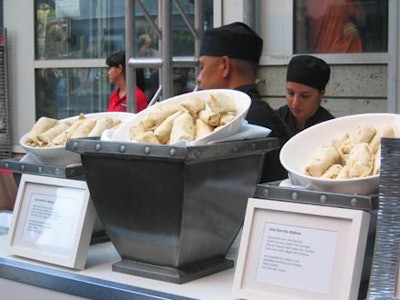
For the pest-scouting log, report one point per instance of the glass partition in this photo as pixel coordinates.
(91, 30)
(340, 26)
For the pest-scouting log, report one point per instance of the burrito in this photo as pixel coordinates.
(385, 130)
(147, 137)
(360, 161)
(194, 105)
(182, 128)
(46, 138)
(332, 171)
(322, 158)
(226, 118)
(62, 138)
(201, 129)
(364, 133)
(84, 129)
(343, 173)
(137, 129)
(376, 169)
(209, 117)
(41, 125)
(158, 113)
(163, 131)
(101, 124)
(221, 103)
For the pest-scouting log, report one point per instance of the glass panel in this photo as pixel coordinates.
(340, 26)
(62, 93)
(79, 29)
(94, 29)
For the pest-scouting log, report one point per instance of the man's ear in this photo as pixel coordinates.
(226, 66)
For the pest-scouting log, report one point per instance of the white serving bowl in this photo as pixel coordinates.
(57, 155)
(242, 101)
(295, 154)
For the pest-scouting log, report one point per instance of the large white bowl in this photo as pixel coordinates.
(57, 155)
(242, 101)
(296, 153)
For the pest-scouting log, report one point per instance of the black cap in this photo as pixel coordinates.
(308, 70)
(236, 40)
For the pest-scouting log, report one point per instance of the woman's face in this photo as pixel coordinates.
(114, 74)
(303, 100)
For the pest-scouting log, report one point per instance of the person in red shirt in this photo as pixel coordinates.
(116, 76)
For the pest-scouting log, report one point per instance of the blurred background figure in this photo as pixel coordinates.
(334, 25)
(306, 79)
(146, 49)
(116, 76)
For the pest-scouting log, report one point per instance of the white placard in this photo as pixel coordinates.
(300, 251)
(291, 254)
(52, 221)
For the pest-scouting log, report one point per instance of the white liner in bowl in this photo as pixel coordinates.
(296, 153)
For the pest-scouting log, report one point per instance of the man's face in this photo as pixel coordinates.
(211, 74)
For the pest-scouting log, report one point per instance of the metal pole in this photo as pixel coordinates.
(130, 41)
(393, 100)
(166, 48)
(249, 13)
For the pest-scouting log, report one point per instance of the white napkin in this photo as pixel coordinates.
(246, 132)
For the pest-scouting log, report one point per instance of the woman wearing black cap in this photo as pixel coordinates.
(306, 79)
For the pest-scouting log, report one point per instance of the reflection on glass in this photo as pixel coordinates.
(93, 29)
(62, 93)
(341, 26)
(79, 29)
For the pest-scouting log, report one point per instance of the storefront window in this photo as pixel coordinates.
(341, 26)
(91, 30)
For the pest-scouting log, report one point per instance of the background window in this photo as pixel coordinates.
(91, 30)
(341, 26)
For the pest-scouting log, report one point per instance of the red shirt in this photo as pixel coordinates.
(119, 104)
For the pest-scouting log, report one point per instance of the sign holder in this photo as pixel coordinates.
(53, 220)
(300, 251)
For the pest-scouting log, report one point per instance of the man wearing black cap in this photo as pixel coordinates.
(229, 58)
(306, 79)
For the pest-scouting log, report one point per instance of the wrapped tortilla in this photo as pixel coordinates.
(360, 161)
(226, 118)
(385, 130)
(332, 171)
(163, 131)
(376, 169)
(343, 173)
(201, 129)
(158, 113)
(182, 128)
(84, 129)
(363, 134)
(46, 138)
(194, 105)
(62, 138)
(101, 124)
(147, 137)
(41, 125)
(137, 129)
(323, 157)
(209, 117)
(221, 103)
